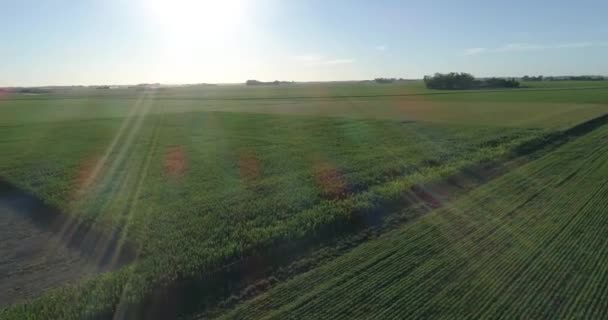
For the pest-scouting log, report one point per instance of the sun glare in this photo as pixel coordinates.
(206, 22)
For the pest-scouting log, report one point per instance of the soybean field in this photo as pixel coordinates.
(307, 200)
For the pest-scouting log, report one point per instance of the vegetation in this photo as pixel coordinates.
(213, 206)
(465, 81)
(31, 90)
(196, 179)
(385, 80)
(564, 78)
(526, 245)
(532, 78)
(259, 83)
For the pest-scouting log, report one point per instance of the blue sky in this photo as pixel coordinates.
(57, 42)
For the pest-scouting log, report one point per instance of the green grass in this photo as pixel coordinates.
(526, 245)
(552, 106)
(248, 181)
(191, 187)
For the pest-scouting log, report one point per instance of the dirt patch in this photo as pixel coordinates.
(175, 163)
(329, 179)
(33, 260)
(249, 166)
(40, 248)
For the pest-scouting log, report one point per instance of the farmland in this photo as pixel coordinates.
(191, 181)
(528, 244)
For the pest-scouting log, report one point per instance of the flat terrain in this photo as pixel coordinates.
(555, 104)
(529, 244)
(198, 192)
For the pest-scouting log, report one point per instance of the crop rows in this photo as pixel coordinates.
(530, 244)
(193, 191)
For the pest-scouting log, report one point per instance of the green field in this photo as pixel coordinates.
(555, 104)
(529, 244)
(198, 179)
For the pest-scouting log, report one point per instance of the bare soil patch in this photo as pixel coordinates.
(40, 248)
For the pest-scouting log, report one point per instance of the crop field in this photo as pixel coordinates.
(140, 193)
(530, 244)
(551, 105)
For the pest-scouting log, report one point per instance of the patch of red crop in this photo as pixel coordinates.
(249, 166)
(328, 179)
(87, 170)
(175, 163)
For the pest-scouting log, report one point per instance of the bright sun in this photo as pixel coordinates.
(208, 21)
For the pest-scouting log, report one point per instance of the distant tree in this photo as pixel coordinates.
(258, 83)
(253, 82)
(528, 78)
(32, 90)
(565, 78)
(385, 80)
(585, 78)
(450, 81)
(464, 81)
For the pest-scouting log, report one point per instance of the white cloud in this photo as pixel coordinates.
(511, 47)
(381, 47)
(522, 47)
(473, 51)
(579, 45)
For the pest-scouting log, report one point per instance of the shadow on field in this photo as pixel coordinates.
(561, 137)
(237, 281)
(103, 250)
(242, 279)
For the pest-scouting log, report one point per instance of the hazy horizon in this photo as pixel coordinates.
(264, 80)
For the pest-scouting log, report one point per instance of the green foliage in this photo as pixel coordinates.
(532, 78)
(575, 78)
(465, 81)
(384, 80)
(526, 245)
(193, 189)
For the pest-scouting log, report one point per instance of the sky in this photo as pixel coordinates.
(87, 42)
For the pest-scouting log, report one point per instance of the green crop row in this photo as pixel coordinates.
(193, 191)
(530, 244)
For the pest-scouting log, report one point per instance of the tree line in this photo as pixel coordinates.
(466, 81)
(261, 83)
(563, 78)
(388, 80)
